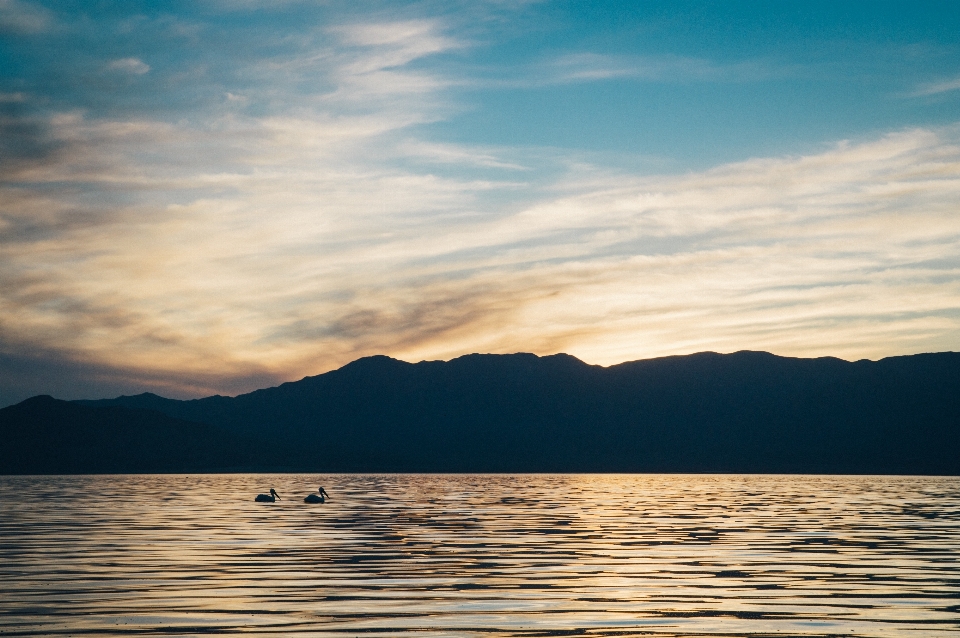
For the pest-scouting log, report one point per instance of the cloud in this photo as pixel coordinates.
(24, 137)
(408, 39)
(254, 5)
(455, 154)
(591, 66)
(129, 65)
(936, 88)
(571, 68)
(21, 17)
(52, 373)
(291, 259)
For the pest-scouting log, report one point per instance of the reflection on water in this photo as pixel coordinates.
(447, 555)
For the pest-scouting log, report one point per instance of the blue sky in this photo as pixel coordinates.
(217, 196)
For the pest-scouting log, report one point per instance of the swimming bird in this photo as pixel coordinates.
(314, 498)
(268, 498)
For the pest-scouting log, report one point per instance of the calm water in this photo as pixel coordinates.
(525, 555)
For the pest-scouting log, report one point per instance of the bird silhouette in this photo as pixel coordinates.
(268, 498)
(317, 498)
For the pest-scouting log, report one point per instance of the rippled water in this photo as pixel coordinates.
(452, 555)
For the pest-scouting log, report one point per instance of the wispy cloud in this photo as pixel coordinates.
(456, 154)
(406, 41)
(129, 65)
(17, 16)
(935, 88)
(585, 67)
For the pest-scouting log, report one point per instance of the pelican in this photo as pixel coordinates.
(314, 498)
(268, 498)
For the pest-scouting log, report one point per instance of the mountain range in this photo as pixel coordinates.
(706, 412)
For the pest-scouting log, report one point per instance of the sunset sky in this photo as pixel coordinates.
(216, 196)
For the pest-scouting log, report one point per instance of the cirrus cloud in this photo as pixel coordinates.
(129, 65)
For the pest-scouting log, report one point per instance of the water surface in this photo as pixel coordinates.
(452, 555)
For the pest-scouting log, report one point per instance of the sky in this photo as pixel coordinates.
(215, 196)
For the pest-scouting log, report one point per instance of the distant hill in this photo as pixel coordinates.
(45, 436)
(707, 412)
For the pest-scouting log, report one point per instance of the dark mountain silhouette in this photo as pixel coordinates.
(707, 412)
(45, 436)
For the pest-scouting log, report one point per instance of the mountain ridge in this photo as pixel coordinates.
(748, 411)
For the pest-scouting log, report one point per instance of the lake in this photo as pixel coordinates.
(480, 555)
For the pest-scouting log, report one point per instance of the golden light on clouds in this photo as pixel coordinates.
(232, 250)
